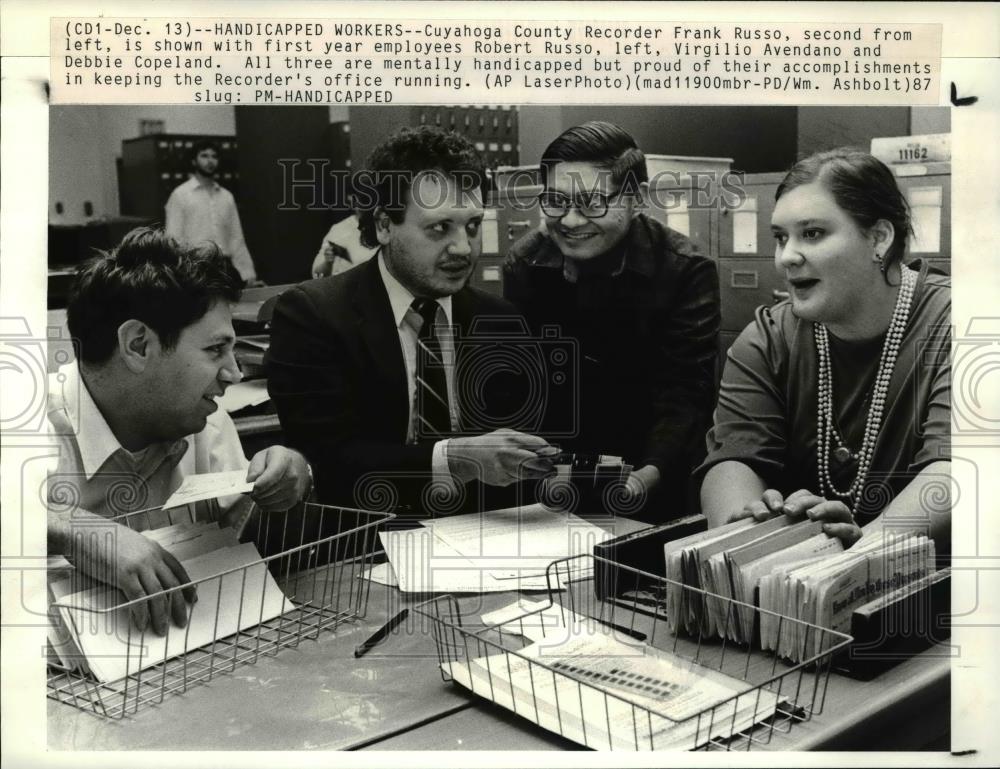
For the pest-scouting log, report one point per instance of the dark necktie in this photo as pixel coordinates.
(433, 417)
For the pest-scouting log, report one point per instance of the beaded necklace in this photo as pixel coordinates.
(826, 431)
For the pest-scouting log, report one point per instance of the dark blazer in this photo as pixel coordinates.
(337, 378)
(648, 344)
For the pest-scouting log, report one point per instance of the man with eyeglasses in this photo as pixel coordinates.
(641, 302)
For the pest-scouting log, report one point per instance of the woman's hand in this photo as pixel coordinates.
(835, 515)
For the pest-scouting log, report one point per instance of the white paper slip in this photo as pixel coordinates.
(381, 574)
(243, 394)
(423, 563)
(195, 488)
(518, 539)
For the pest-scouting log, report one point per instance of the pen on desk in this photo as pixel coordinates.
(638, 635)
(381, 633)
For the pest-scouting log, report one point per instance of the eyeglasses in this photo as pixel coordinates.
(591, 205)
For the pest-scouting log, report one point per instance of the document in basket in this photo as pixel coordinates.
(245, 595)
(606, 695)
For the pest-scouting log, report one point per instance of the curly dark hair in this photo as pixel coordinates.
(385, 183)
(203, 144)
(148, 277)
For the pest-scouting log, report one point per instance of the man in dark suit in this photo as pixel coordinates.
(378, 374)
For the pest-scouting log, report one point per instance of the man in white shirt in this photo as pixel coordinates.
(136, 413)
(202, 211)
(342, 249)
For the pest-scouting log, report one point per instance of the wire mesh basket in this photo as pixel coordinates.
(611, 669)
(303, 578)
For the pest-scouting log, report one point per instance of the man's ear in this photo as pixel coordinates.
(137, 343)
(382, 226)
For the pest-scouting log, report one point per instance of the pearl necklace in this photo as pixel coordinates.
(826, 432)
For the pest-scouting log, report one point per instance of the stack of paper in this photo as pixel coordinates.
(606, 694)
(242, 394)
(235, 591)
(825, 591)
(789, 568)
(493, 551)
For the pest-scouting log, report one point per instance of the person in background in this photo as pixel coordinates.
(202, 211)
(365, 367)
(836, 403)
(136, 413)
(342, 249)
(640, 301)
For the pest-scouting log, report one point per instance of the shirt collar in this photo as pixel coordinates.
(400, 297)
(94, 437)
(637, 245)
(211, 184)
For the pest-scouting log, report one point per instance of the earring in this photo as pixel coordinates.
(881, 261)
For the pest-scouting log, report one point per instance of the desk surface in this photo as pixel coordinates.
(317, 696)
(910, 700)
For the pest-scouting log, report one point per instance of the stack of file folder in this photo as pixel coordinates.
(789, 568)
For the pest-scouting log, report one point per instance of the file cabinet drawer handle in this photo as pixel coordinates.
(744, 279)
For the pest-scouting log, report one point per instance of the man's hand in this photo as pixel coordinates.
(137, 566)
(640, 485)
(835, 515)
(500, 458)
(323, 263)
(280, 478)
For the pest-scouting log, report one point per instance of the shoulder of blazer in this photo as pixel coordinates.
(470, 302)
(348, 293)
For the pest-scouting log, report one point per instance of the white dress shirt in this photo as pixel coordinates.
(94, 472)
(204, 211)
(407, 321)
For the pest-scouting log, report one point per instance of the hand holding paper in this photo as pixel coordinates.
(280, 478)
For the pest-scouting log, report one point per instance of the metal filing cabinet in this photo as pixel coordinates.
(488, 273)
(683, 195)
(492, 129)
(927, 187)
(517, 214)
(152, 166)
(746, 248)
(680, 204)
(747, 275)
